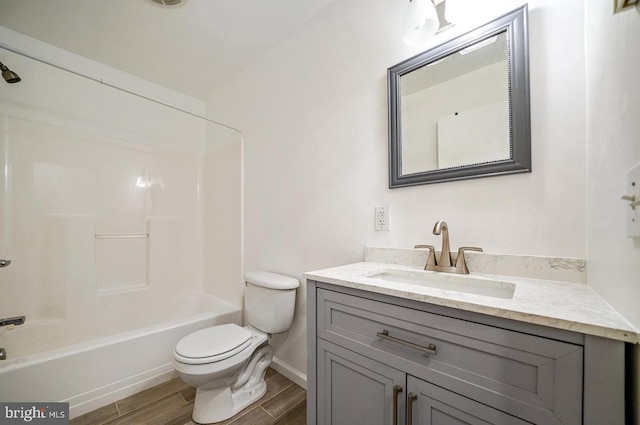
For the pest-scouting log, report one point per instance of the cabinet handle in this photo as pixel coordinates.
(410, 399)
(396, 390)
(431, 349)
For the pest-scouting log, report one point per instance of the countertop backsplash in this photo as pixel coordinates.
(562, 269)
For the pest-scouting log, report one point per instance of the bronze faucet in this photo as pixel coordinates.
(444, 263)
(445, 255)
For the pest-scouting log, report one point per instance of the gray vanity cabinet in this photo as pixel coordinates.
(356, 389)
(433, 405)
(369, 354)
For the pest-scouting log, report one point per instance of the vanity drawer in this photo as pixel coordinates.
(528, 376)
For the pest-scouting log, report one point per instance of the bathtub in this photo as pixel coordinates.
(95, 373)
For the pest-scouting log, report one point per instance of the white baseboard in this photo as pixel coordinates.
(92, 400)
(289, 372)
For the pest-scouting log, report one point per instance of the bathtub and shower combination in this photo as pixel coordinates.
(106, 294)
(102, 214)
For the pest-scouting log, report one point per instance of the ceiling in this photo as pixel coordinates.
(191, 48)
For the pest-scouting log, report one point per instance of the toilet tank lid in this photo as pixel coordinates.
(271, 280)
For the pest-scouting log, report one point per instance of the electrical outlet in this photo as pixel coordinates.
(382, 218)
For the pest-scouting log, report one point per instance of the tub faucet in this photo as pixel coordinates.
(12, 321)
(445, 262)
(3, 354)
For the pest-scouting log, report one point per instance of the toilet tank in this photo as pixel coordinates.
(269, 301)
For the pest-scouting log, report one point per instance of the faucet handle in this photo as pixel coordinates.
(431, 259)
(461, 261)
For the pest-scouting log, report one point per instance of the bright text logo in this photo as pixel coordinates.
(34, 413)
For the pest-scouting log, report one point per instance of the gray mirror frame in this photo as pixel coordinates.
(516, 25)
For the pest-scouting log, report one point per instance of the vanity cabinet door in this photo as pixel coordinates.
(352, 389)
(524, 375)
(433, 405)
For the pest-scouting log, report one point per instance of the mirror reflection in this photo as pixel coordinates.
(455, 110)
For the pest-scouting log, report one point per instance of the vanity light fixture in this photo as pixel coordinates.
(143, 182)
(621, 5)
(8, 75)
(423, 19)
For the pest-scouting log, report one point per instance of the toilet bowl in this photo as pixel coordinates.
(227, 363)
(218, 371)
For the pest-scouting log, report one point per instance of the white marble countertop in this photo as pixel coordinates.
(570, 306)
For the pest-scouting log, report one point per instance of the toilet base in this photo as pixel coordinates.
(219, 404)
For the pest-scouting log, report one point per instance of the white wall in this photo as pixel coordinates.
(314, 116)
(613, 129)
(613, 147)
(221, 187)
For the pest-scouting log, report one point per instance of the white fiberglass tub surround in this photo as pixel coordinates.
(102, 212)
(94, 373)
(103, 235)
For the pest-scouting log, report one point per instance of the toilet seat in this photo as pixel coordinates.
(212, 344)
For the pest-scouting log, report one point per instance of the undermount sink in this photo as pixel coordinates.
(449, 282)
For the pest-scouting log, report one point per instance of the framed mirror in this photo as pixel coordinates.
(461, 110)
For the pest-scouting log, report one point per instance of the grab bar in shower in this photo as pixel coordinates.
(122, 236)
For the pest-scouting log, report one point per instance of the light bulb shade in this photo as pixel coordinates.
(421, 22)
(455, 10)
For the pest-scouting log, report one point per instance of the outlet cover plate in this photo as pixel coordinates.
(382, 218)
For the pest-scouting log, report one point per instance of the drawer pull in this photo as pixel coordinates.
(411, 398)
(396, 390)
(431, 349)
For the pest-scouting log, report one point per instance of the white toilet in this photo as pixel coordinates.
(227, 363)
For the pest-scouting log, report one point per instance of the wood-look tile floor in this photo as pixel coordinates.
(171, 403)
